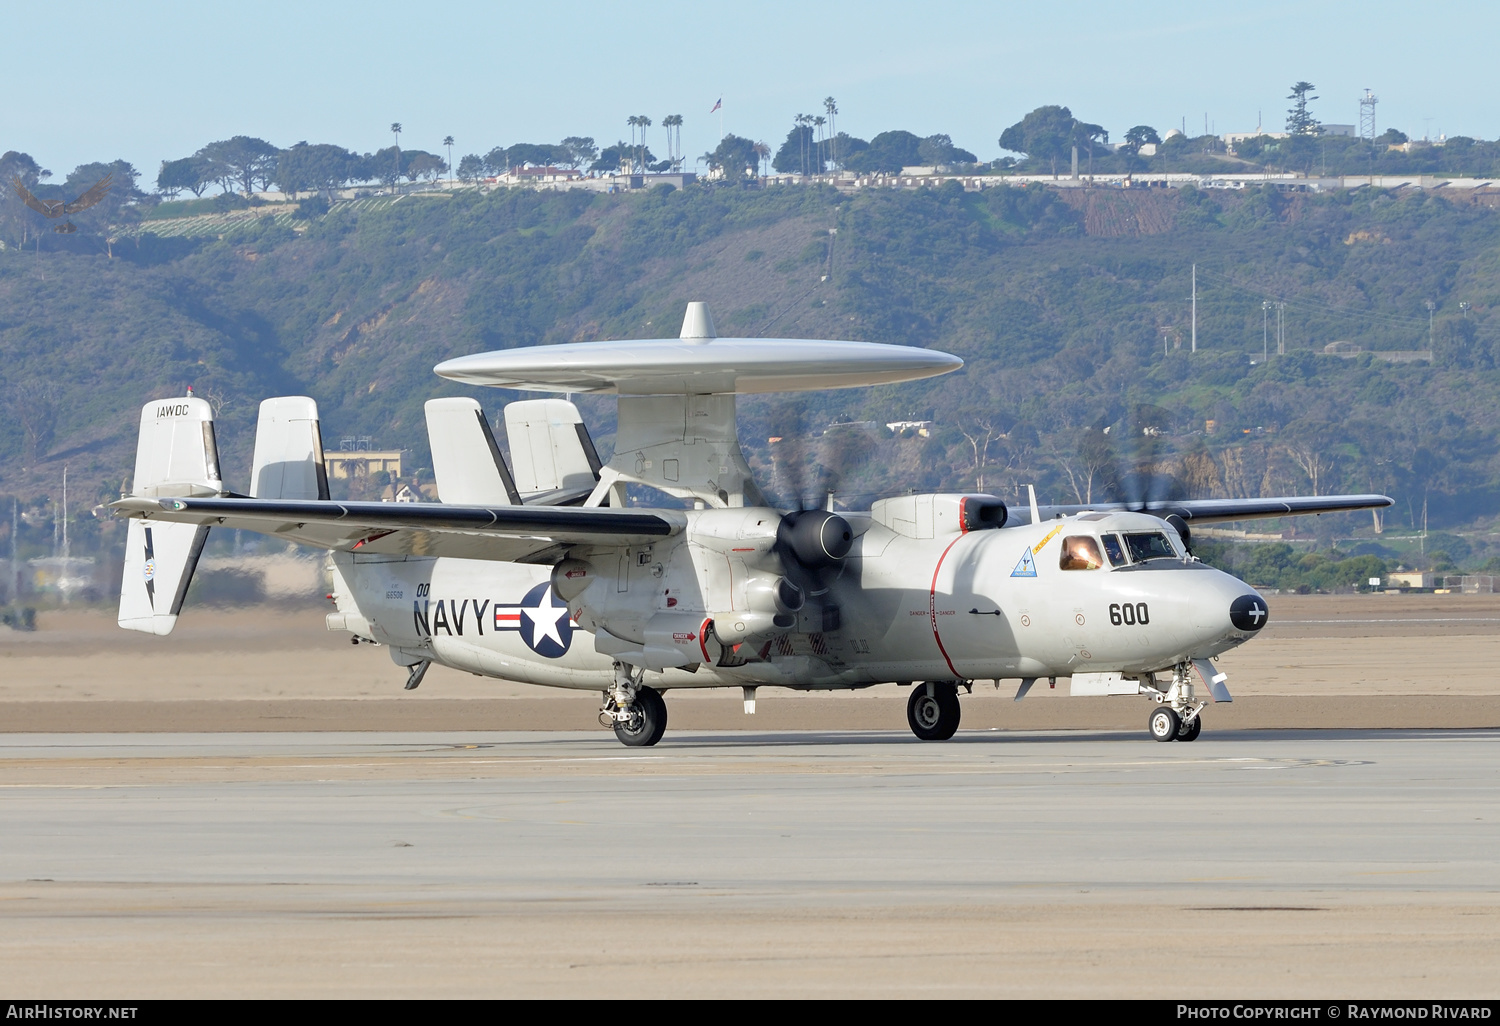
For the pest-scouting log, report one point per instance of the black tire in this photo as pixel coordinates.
(933, 717)
(1163, 723)
(647, 723)
(1189, 730)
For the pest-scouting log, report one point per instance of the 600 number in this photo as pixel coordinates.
(1129, 614)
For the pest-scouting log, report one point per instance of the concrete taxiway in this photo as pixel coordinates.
(1002, 863)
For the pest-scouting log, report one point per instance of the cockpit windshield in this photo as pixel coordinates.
(1149, 546)
(1114, 550)
(1080, 552)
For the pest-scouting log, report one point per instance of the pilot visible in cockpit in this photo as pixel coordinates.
(1080, 552)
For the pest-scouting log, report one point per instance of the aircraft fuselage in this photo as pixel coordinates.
(990, 604)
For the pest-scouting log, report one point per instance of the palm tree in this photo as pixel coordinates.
(674, 147)
(819, 122)
(448, 142)
(396, 131)
(763, 154)
(632, 121)
(645, 123)
(832, 108)
(801, 121)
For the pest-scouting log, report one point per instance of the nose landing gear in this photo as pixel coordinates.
(1177, 717)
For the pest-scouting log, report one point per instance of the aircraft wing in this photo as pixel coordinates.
(1209, 511)
(516, 534)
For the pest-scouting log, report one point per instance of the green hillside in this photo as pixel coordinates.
(1071, 308)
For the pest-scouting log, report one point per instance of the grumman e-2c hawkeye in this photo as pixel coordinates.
(537, 570)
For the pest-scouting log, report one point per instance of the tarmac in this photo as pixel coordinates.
(1331, 834)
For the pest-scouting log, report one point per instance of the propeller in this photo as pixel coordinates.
(1139, 474)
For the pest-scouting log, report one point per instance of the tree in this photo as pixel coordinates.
(240, 161)
(1299, 120)
(789, 158)
(320, 166)
(939, 149)
(1044, 134)
(1085, 135)
(673, 124)
(1139, 136)
(448, 142)
(735, 156)
(616, 157)
(580, 150)
(831, 108)
(15, 217)
(644, 122)
(888, 152)
(762, 156)
(177, 175)
(419, 164)
(471, 168)
(496, 162)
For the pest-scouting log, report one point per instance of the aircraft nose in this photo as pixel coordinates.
(1249, 612)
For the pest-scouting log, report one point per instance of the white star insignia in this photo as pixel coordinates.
(545, 619)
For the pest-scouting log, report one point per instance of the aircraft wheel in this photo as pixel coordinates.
(1189, 730)
(1164, 723)
(647, 722)
(933, 717)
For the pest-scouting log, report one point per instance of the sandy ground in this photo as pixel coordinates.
(1351, 661)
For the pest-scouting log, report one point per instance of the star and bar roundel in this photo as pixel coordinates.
(540, 618)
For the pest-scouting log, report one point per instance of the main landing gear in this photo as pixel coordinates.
(637, 713)
(932, 711)
(1177, 717)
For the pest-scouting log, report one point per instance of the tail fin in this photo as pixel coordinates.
(289, 451)
(176, 454)
(466, 460)
(550, 447)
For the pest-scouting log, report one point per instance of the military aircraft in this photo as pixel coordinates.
(538, 570)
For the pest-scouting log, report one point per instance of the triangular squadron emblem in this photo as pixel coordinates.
(1026, 567)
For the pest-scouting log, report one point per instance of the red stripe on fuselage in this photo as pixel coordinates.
(932, 604)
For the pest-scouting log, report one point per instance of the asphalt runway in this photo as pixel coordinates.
(1258, 863)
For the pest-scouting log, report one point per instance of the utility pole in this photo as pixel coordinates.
(1280, 328)
(1265, 336)
(1431, 306)
(1195, 308)
(1464, 306)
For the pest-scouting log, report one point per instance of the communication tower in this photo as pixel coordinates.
(1367, 104)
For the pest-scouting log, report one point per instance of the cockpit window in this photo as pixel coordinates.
(1080, 552)
(1114, 550)
(1149, 546)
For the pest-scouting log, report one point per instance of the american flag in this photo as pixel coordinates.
(717, 104)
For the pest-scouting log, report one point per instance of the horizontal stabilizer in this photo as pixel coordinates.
(550, 447)
(159, 563)
(466, 460)
(289, 451)
(509, 533)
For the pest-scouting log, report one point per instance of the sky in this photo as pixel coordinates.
(148, 82)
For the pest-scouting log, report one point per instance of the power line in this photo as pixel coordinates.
(1264, 293)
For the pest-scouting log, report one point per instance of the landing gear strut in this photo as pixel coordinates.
(932, 711)
(637, 713)
(1177, 717)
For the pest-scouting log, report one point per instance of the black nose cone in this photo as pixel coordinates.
(1249, 612)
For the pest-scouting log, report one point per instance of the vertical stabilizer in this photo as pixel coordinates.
(289, 451)
(550, 449)
(176, 454)
(466, 460)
